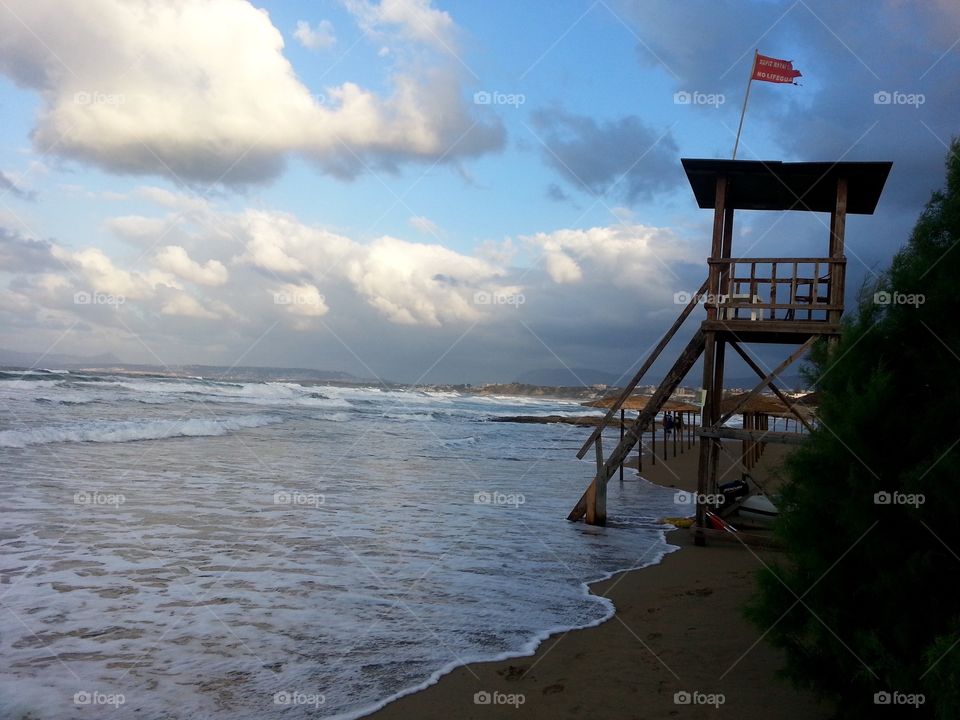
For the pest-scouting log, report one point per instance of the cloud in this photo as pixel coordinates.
(624, 157)
(415, 19)
(183, 305)
(174, 259)
(407, 283)
(626, 255)
(845, 55)
(7, 185)
(141, 87)
(425, 225)
(26, 255)
(319, 38)
(303, 299)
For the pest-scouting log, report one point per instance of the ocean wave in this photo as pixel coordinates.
(109, 431)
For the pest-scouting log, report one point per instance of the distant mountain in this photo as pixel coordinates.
(260, 374)
(564, 377)
(107, 362)
(17, 358)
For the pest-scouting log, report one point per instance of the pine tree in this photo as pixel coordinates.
(866, 601)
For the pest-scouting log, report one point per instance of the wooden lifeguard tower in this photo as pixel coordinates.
(773, 300)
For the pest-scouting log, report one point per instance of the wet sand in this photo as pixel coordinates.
(678, 628)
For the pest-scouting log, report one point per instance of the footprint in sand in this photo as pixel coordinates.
(553, 689)
(513, 672)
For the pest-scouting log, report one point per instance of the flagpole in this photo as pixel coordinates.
(746, 98)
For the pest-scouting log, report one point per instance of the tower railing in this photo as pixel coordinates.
(779, 289)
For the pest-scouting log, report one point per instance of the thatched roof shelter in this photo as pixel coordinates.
(765, 404)
(639, 402)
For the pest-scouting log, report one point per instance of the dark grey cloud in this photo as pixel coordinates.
(555, 192)
(904, 51)
(623, 157)
(25, 255)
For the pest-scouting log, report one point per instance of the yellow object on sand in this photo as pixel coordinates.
(684, 522)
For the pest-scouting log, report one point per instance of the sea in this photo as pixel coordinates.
(177, 548)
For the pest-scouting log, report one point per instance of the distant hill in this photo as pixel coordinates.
(563, 377)
(523, 390)
(107, 362)
(20, 359)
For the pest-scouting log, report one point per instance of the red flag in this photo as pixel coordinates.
(773, 70)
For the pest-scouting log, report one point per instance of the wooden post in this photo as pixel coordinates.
(621, 440)
(838, 224)
(653, 443)
(640, 453)
(663, 425)
(597, 500)
(674, 433)
(709, 354)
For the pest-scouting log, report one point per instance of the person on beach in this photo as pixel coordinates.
(667, 424)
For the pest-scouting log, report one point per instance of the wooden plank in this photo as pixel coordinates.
(628, 390)
(765, 260)
(782, 438)
(670, 382)
(766, 380)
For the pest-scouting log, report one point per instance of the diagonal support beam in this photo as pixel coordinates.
(651, 358)
(796, 354)
(670, 382)
(749, 361)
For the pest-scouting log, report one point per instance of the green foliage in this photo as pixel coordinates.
(866, 600)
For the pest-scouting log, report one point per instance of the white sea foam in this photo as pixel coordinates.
(275, 563)
(130, 430)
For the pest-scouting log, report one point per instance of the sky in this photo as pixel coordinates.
(428, 190)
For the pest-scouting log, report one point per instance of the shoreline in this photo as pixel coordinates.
(676, 626)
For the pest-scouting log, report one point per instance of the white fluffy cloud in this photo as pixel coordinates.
(201, 90)
(626, 255)
(415, 19)
(407, 283)
(174, 258)
(320, 37)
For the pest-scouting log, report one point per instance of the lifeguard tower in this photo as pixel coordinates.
(773, 300)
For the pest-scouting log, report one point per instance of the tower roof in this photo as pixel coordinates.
(775, 185)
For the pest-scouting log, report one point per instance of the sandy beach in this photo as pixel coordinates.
(678, 628)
